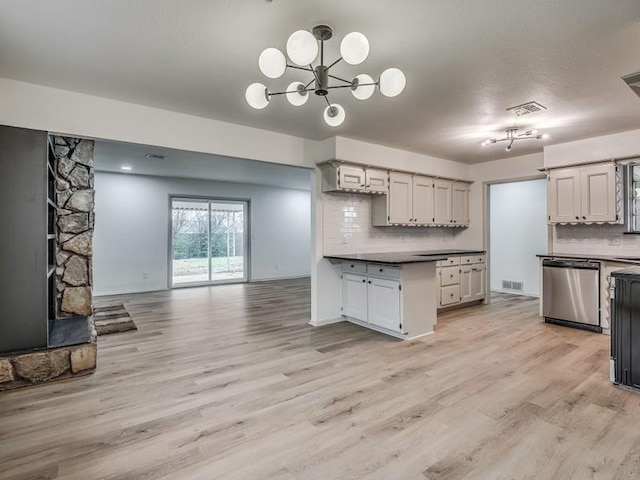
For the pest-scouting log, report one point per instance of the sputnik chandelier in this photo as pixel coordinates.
(512, 136)
(302, 49)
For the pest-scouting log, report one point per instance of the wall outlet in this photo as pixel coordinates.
(614, 241)
(277, 267)
(345, 238)
(145, 275)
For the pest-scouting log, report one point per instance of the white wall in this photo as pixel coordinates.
(518, 231)
(618, 145)
(508, 169)
(61, 111)
(132, 229)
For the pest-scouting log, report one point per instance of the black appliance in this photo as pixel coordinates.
(625, 327)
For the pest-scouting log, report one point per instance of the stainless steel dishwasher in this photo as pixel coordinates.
(571, 293)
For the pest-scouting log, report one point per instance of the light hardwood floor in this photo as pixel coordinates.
(230, 382)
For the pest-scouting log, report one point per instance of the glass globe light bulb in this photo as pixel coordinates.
(334, 115)
(257, 96)
(272, 63)
(392, 82)
(363, 91)
(302, 47)
(296, 94)
(354, 48)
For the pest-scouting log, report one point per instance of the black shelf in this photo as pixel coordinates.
(52, 268)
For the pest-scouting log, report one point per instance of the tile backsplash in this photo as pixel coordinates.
(347, 229)
(595, 239)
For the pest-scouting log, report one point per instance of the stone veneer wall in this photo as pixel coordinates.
(75, 202)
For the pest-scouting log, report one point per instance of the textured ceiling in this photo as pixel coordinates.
(465, 62)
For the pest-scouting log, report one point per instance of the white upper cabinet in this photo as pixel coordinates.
(400, 198)
(563, 196)
(599, 195)
(351, 178)
(423, 200)
(376, 181)
(442, 201)
(583, 194)
(460, 203)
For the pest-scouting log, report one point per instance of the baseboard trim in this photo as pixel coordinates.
(511, 292)
(278, 278)
(128, 292)
(320, 323)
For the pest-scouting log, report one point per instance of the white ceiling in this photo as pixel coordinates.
(465, 62)
(111, 156)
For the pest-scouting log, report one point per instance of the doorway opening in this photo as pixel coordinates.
(209, 241)
(518, 231)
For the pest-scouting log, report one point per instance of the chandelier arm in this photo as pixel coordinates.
(338, 60)
(339, 86)
(341, 79)
(290, 91)
(306, 69)
(308, 84)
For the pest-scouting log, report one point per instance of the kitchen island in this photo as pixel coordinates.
(394, 292)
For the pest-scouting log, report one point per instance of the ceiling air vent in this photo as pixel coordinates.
(527, 108)
(154, 156)
(633, 81)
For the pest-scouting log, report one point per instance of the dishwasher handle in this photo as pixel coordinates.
(577, 264)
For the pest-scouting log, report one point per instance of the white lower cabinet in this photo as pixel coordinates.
(466, 283)
(478, 281)
(354, 296)
(384, 303)
(461, 280)
(372, 300)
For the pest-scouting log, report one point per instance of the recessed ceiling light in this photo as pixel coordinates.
(126, 168)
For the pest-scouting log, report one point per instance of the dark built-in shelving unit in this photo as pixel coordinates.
(27, 243)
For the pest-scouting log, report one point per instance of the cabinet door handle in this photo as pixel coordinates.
(577, 218)
(382, 270)
(364, 281)
(369, 281)
(352, 266)
(584, 218)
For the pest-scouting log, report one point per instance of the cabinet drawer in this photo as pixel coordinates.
(383, 271)
(479, 258)
(450, 295)
(449, 276)
(449, 261)
(466, 260)
(354, 267)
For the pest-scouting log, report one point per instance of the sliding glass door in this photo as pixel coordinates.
(208, 241)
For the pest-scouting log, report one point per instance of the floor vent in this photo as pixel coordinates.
(510, 285)
(526, 108)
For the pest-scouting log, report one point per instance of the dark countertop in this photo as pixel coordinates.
(604, 258)
(633, 272)
(420, 256)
